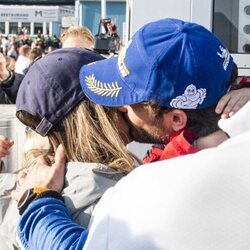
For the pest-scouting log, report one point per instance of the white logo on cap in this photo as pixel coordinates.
(224, 55)
(121, 63)
(190, 99)
(100, 88)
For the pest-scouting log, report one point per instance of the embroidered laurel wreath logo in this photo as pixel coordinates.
(103, 89)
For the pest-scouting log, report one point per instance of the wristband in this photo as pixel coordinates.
(35, 194)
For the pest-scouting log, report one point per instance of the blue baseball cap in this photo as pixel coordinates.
(170, 62)
(51, 88)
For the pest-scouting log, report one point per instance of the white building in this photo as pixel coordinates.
(33, 19)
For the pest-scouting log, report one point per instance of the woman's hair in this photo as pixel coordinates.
(88, 134)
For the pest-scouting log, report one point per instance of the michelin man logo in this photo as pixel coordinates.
(190, 99)
(224, 55)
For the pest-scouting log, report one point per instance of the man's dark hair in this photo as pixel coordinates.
(201, 121)
(205, 121)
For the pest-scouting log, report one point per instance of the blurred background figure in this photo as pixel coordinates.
(23, 39)
(34, 54)
(5, 45)
(13, 51)
(23, 60)
(5, 145)
(10, 63)
(78, 37)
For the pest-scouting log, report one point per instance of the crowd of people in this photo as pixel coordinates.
(13, 68)
(163, 88)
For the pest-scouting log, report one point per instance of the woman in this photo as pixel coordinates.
(50, 101)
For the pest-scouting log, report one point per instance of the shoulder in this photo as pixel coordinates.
(194, 198)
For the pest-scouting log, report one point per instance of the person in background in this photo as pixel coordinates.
(23, 61)
(23, 39)
(10, 63)
(5, 45)
(79, 37)
(34, 54)
(5, 145)
(9, 82)
(13, 51)
(76, 36)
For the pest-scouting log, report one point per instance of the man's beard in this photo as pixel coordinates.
(141, 135)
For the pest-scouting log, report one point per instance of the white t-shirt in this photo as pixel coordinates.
(22, 64)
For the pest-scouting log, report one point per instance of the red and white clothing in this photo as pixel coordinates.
(180, 143)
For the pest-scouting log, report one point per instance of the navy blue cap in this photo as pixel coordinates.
(51, 88)
(173, 63)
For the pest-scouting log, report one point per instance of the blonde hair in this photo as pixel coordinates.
(10, 63)
(83, 32)
(24, 50)
(89, 134)
(35, 53)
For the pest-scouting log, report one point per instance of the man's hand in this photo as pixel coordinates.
(4, 73)
(233, 101)
(5, 145)
(40, 174)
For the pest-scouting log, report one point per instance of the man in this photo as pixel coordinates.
(78, 37)
(198, 201)
(165, 65)
(167, 86)
(23, 61)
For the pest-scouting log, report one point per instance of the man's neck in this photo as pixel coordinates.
(211, 140)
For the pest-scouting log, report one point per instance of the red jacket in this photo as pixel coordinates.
(178, 144)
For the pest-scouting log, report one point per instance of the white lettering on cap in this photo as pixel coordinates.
(121, 62)
(224, 55)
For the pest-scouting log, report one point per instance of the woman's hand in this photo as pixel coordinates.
(233, 101)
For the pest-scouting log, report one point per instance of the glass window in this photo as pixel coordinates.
(231, 23)
(2, 28)
(13, 28)
(38, 28)
(26, 28)
(47, 29)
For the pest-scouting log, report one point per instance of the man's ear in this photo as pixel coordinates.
(123, 109)
(175, 119)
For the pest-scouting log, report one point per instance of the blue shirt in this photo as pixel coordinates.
(47, 224)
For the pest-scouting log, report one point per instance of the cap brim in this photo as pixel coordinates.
(102, 83)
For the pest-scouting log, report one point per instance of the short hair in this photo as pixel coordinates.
(200, 121)
(24, 50)
(35, 53)
(83, 32)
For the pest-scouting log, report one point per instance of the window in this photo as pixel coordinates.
(38, 28)
(2, 28)
(26, 28)
(37, 2)
(47, 29)
(13, 28)
(231, 23)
